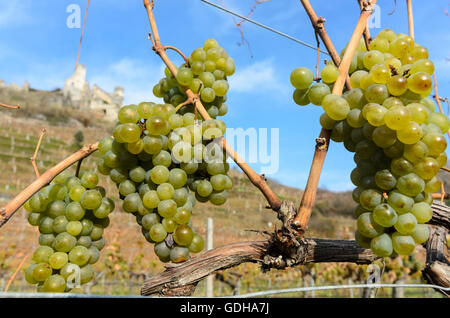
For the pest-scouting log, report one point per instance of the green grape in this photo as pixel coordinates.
(379, 44)
(91, 199)
(420, 83)
(329, 74)
(436, 144)
(184, 76)
(399, 47)
(376, 93)
(183, 235)
(356, 77)
(432, 185)
(362, 241)
(427, 168)
(167, 208)
(367, 226)
(74, 228)
(207, 95)
(207, 79)
(384, 215)
(410, 184)
(130, 133)
(64, 242)
(220, 87)
(56, 208)
(128, 114)
(397, 117)
(406, 223)
(326, 122)
(34, 218)
(162, 251)
(317, 92)
(411, 134)
(177, 178)
(89, 180)
(145, 109)
(197, 244)
(159, 174)
(157, 232)
(99, 244)
(88, 225)
(401, 166)
(400, 202)
(422, 65)
(41, 272)
(169, 225)
(46, 225)
(179, 254)
(422, 211)
(300, 97)
(94, 255)
(46, 239)
(374, 113)
(204, 188)
(151, 199)
(58, 260)
(152, 144)
(385, 180)
(79, 255)
(380, 73)
(394, 151)
(86, 273)
(393, 63)
(182, 151)
(421, 233)
(419, 52)
(440, 120)
(301, 78)
(365, 149)
(397, 85)
(416, 152)
(429, 103)
(157, 125)
(199, 54)
(74, 211)
(149, 220)
(372, 58)
(370, 198)
(165, 191)
(418, 112)
(384, 137)
(163, 158)
(355, 118)
(42, 254)
(137, 174)
(218, 198)
(76, 193)
(85, 241)
(131, 202)
(355, 98)
(382, 245)
(336, 107)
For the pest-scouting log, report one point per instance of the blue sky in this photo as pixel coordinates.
(37, 46)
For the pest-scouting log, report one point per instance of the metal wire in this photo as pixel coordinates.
(249, 295)
(316, 288)
(264, 26)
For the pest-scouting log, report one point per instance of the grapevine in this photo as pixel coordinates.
(160, 153)
(390, 123)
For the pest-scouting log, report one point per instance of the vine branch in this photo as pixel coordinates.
(8, 210)
(10, 106)
(33, 159)
(256, 179)
(322, 143)
(410, 18)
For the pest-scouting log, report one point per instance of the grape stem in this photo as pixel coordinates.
(410, 19)
(8, 211)
(436, 96)
(9, 106)
(256, 179)
(300, 221)
(33, 159)
(168, 47)
(77, 172)
(366, 33)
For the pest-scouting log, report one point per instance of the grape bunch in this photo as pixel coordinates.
(70, 214)
(206, 74)
(390, 123)
(158, 155)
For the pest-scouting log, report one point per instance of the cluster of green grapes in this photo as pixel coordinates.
(206, 74)
(156, 155)
(70, 214)
(388, 121)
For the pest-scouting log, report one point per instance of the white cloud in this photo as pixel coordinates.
(136, 76)
(14, 13)
(258, 77)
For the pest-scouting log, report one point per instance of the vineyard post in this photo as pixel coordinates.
(322, 143)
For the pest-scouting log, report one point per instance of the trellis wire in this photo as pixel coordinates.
(264, 26)
(249, 295)
(317, 288)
